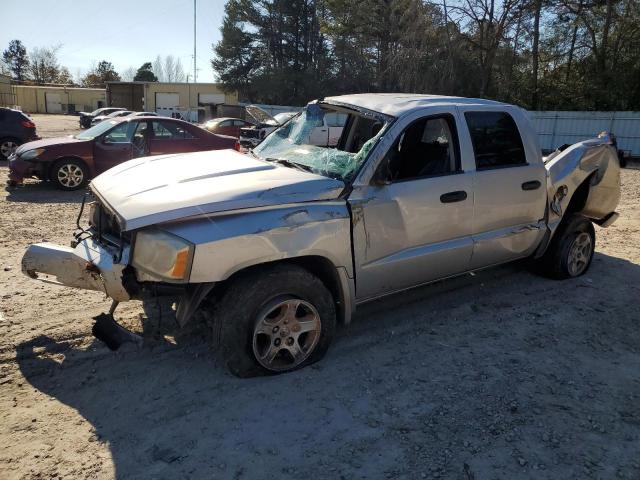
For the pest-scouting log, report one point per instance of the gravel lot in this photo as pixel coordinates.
(498, 375)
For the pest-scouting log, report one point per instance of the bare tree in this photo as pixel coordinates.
(128, 75)
(44, 66)
(173, 70)
(158, 69)
(168, 69)
(535, 51)
(487, 23)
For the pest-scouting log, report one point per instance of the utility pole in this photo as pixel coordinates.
(195, 68)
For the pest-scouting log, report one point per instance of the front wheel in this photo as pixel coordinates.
(274, 321)
(69, 174)
(571, 251)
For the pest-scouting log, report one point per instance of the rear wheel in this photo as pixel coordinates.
(69, 174)
(7, 147)
(274, 321)
(571, 251)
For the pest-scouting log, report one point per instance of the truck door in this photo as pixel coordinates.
(509, 185)
(412, 224)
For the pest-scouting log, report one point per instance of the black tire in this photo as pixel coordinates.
(241, 309)
(77, 174)
(557, 261)
(7, 146)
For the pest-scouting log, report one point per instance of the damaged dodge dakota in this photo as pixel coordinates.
(275, 247)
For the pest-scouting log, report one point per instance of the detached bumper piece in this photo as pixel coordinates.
(89, 266)
(113, 334)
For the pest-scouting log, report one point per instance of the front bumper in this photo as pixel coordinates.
(89, 266)
(19, 169)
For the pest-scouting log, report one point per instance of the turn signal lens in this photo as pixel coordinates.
(180, 267)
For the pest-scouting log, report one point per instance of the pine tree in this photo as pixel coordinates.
(16, 58)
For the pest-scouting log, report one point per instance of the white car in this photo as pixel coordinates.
(325, 134)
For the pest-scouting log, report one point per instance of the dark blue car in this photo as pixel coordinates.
(15, 129)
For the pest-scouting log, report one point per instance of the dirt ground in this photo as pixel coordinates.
(498, 375)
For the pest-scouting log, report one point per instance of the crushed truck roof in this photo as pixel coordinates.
(396, 104)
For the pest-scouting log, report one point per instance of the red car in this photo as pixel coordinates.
(227, 126)
(71, 161)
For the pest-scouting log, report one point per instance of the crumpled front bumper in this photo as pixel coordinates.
(19, 169)
(89, 266)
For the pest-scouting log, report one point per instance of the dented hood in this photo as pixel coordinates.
(151, 190)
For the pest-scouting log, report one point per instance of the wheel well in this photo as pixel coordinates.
(579, 198)
(319, 266)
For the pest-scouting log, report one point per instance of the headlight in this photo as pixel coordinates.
(162, 254)
(31, 154)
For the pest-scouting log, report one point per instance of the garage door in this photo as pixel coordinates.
(210, 98)
(54, 104)
(167, 100)
(167, 104)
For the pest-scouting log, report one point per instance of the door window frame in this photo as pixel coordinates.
(473, 147)
(453, 128)
(173, 137)
(131, 128)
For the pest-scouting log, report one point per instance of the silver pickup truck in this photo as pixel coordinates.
(277, 246)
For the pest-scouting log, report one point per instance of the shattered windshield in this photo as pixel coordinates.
(330, 141)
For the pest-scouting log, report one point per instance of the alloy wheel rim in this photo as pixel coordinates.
(7, 148)
(70, 175)
(579, 254)
(286, 332)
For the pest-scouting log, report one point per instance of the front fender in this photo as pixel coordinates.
(229, 242)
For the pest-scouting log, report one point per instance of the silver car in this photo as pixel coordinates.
(277, 246)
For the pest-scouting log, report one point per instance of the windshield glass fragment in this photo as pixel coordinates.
(325, 139)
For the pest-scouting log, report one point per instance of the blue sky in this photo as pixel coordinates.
(126, 33)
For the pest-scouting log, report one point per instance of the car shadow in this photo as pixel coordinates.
(379, 404)
(42, 192)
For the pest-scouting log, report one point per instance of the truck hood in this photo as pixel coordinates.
(152, 190)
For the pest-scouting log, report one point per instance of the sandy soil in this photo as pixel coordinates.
(499, 375)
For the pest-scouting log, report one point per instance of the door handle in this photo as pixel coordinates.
(532, 185)
(452, 197)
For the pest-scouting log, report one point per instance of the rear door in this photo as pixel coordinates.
(171, 137)
(509, 185)
(226, 128)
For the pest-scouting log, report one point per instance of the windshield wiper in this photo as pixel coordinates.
(289, 163)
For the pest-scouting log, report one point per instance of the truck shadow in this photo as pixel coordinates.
(42, 192)
(381, 401)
